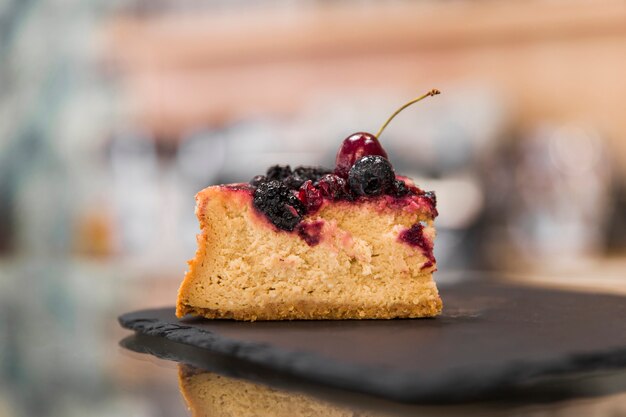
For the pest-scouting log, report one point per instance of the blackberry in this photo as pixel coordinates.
(279, 204)
(311, 173)
(258, 180)
(303, 174)
(371, 175)
(278, 172)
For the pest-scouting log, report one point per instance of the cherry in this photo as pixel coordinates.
(361, 144)
(355, 147)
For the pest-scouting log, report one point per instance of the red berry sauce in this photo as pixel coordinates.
(311, 233)
(414, 236)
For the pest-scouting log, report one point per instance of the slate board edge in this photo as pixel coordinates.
(409, 387)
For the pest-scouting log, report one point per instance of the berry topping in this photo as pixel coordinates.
(258, 180)
(279, 204)
(278, 172)
(333, 187)
(310, 196)
(371, 176)
(302, 174)
(293, 179)
(362, 169)
(355, 147)
(362, 144)
(431, 196)
(400, 189)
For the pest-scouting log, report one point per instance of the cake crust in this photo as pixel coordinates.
(305, 310)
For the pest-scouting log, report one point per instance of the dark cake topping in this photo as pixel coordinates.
(303, 190)
(278, 173)
(371, 175)
(279, 204)
(303, 174)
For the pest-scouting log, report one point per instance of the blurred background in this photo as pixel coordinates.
(113, 114)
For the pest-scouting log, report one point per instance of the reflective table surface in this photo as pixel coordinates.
(223, 386)
(62, 353)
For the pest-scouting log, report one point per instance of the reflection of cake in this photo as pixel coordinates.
(311, 243)
(209, 394)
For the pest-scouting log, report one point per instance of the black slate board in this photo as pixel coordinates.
(490, 338)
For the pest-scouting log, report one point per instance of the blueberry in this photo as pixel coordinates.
(303, 174)
(371, 175)
(279, 204)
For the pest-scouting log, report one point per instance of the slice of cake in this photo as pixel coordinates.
(352, 243)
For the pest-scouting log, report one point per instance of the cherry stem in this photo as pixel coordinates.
(432, 92)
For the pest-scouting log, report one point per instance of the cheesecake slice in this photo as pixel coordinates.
(355, 242)
(304, 244)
